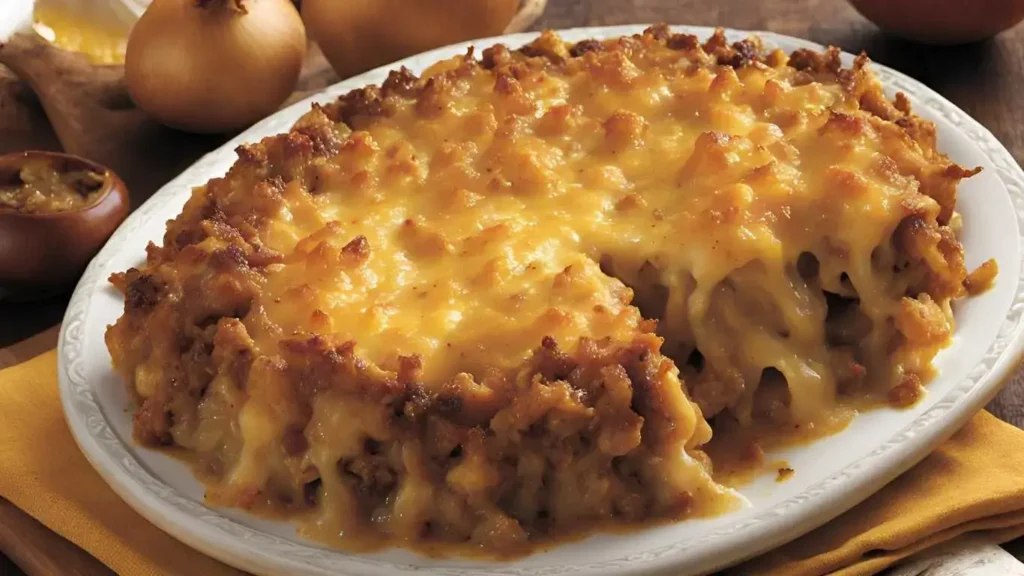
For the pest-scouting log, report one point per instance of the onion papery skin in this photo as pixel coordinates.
(358, 35)
(214, 66)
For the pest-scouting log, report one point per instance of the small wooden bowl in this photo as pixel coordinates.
(44, 252)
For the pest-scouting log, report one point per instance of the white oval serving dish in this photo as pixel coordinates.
(831, 475)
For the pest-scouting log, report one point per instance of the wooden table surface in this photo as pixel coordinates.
(984, 79)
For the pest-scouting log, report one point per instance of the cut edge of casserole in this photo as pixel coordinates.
(499, 304)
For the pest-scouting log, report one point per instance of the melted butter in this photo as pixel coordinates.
(94, 33)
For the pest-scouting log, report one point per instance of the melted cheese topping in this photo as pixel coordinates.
(487, 209)
(424, 306)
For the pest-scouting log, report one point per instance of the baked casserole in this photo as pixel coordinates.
(499, 304)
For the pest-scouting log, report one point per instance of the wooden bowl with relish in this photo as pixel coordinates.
(56, 212)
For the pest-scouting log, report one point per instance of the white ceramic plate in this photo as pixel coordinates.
(831, 475)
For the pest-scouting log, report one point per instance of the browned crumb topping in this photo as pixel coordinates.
(419, 316)
(784, 474)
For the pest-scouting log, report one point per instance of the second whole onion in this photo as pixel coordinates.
(357, 35)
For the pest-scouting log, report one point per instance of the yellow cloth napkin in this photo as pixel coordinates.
(43, 472)
(973, 483)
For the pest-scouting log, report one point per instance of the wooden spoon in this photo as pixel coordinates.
(93, 117)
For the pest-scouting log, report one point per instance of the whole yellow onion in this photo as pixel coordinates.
(214, 65)
(357, 35)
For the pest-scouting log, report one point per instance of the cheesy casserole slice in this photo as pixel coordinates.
(497, 304)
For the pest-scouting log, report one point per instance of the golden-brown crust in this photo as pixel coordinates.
(214, 332)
